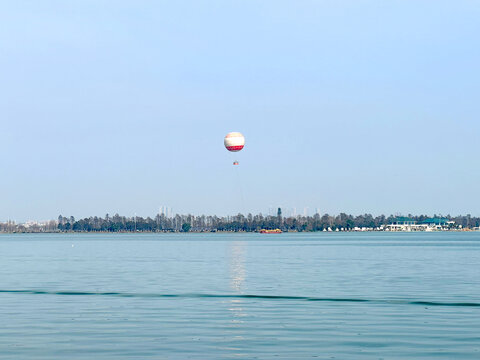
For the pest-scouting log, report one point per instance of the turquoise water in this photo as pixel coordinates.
(228, 296)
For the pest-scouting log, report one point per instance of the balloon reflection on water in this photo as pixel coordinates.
(238, 275)
(237, 266)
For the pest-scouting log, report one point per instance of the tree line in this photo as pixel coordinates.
(240, 222)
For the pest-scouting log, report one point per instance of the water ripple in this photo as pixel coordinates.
(241, 296)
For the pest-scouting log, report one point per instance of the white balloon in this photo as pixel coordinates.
(234, 141)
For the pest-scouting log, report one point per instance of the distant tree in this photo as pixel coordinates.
(186, 227)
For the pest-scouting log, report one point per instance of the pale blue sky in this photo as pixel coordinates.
(354, 106)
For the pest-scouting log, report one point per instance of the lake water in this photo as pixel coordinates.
(229, 296)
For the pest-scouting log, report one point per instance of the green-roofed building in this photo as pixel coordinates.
(402, 223)
(436, 221)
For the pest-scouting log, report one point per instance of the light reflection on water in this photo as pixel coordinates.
(238, 272)
(237, 253)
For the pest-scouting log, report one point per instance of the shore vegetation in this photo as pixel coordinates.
(237, 223)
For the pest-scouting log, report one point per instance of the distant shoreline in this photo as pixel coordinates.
(236, 232)
(161, 223)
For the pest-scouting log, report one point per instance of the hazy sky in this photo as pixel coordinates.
(354, 106)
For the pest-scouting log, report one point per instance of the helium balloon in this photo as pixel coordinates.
(234, 141)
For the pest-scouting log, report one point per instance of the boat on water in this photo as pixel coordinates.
(267, 231)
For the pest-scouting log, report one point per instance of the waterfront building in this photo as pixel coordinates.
(402, 223)
(432, 224)
(435, 224)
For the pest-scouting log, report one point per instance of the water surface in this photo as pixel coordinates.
(206, 296)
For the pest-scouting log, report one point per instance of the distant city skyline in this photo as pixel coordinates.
(352, 106)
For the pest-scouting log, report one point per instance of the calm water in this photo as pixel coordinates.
(228, 296)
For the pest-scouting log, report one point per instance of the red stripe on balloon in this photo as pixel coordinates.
(235, 148)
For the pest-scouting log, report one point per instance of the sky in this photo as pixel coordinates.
(346, 106)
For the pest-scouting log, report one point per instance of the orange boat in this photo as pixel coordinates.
(275, 231)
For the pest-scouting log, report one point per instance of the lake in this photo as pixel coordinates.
(240, 296)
